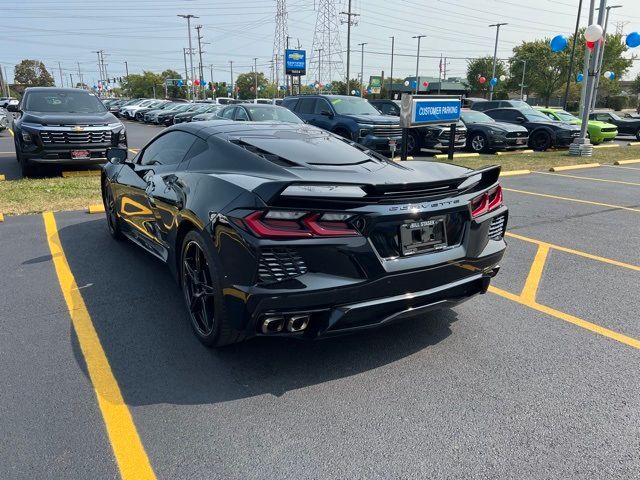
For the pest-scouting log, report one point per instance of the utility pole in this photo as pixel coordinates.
(572, 58)
(393, 42)
(189, 17)
(4, 87)
(495, 55)
(418, 60)
(233, 88)
(80, 76)
(319, 50)
(186, 72)
(362, 70)
(61, 77)
(6, 81)
(349, 23)
(71, 77)
(100, 77)
(200, 37)
(255, 76)
(287, 78)
(600, 59)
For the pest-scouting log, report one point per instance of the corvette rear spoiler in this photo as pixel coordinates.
(278, 193)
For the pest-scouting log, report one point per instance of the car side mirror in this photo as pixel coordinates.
(326, 113)
(520, 119)
(13, 108)
(117, 155)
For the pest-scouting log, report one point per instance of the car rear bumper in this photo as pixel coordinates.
(380, 144)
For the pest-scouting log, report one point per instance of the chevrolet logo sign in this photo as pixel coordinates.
(78, 129)
(296, 56)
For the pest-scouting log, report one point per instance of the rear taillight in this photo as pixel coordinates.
(293, 224)
(486, 202)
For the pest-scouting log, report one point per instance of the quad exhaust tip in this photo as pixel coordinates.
(276, 323)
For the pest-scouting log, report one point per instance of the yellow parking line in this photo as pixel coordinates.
(625, 162)
(568, 199)
(574, 167)
(11, 132)
(588, 178)
(619, 337)
(128, 449)
(133, 150)
(512, 173)
(530, 289)
(574, 252)
(444, 156)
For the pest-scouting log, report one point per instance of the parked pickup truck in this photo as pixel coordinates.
(66, 126)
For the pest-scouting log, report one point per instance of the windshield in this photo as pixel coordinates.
(472, 116)
(534, 116)
(520, 104)
(353, 106)
(565, 116)
(614, 116)
(279, 114)
(63, 102)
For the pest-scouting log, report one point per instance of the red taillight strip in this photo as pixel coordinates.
(488, 202)
(496, 201)
(311, 222)
(483, 207)
(255, 223)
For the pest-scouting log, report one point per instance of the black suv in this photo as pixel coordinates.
(544, 133)
(490, 105)
(66, 126)
(351, 117)
(432, 137)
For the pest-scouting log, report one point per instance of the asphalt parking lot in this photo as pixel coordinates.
(536, 379)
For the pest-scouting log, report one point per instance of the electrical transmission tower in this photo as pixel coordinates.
(280, 40)
(326, 63)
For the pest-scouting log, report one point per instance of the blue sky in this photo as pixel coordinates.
(149, 35)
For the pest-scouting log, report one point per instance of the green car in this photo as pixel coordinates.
(598, 131)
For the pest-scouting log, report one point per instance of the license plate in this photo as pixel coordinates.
(520, 141)
(80, 154)
(423, 236)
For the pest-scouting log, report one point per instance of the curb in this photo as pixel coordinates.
(2, 178)
(444, 156)
(95, 209)
(513, 173)
(625, 162)
(514, 152)
(1, 217)
(81, 173)
(633, 144)
(607, 145)
(574, 167)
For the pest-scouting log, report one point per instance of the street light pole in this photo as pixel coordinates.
(393, 41)
(362, 70)
(233, 88)
(319, 50)
(587, 56)
(524, 69)
(495, 55)
(573, 55)
(349, 23)
(418, 59)
(186, 72)
(600, 59)
(255, 73)
(189, 17)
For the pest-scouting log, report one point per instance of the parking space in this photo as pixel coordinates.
(519, 383)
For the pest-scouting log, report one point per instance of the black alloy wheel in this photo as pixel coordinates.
(413, 144)
(113, 222)
(198, 289)
(479, 142)
(540, 141)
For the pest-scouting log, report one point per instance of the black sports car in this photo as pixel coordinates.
(484, 134)
(285, 229)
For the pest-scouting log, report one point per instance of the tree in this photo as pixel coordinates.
(144, 85)
(33, 73)
(482, 67)
(174, 91)
(245, 83)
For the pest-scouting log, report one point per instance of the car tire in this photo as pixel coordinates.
(479, 143)
(638, 134)
(540, 141)
(202, 293)
(413, 144)
(111, 213)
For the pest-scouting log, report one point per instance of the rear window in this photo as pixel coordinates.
(290, 103)
(63, 102)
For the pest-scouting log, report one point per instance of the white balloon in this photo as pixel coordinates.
(189, 82)
(503, 78)
(353, 92)
(593, 33)
(406, 83)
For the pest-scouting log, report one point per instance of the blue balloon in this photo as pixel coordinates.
(203, 83)
(579, 77)
(327, 86)
(180, 83)
(283, 87)
(559, 43)
(611, 76)
(414, 84)
(633, 40)
(493, 81)
(95, 87)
